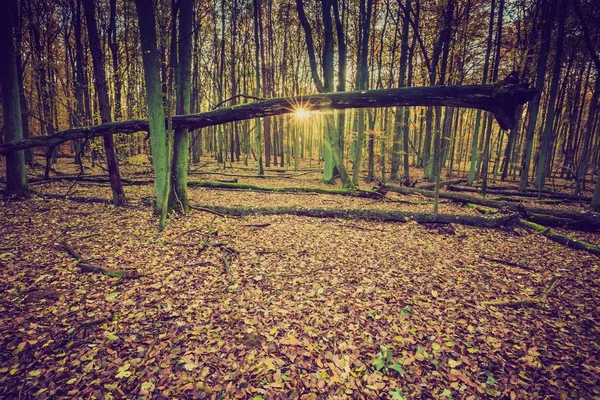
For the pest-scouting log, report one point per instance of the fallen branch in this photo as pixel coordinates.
(257, 225)
(381, 215)
(87, 267)
(513, 303)
(508, 263)
(515, 193)
(586, 221)
(565, 240)
(431, 185)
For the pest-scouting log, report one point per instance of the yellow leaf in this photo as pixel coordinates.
(123, 371)
(35, 372)
(291, 340)
(71, 381)
(454, 363)
(434, 293)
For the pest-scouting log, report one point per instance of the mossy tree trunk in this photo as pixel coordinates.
(156, 113)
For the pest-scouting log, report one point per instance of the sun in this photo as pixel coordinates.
(302, 113)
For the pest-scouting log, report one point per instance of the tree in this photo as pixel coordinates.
(183, 79)
(548, 125)
(594, 106)
(16, 179)
(102, 93)
(488, 51)
(362, 80)
(258, 136)
(156, 113)
(548, 12)
(333, 153)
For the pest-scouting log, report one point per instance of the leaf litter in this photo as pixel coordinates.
(287, 307)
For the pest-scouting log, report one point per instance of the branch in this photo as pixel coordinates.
(501, 99)
(586, 35)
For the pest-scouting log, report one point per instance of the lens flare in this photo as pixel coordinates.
(302, 113)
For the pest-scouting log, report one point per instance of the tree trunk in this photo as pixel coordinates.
(103, 103)
(377, 215)
(501, 99)
(178, 200)
(156, 113)
(534, 107)
(16, 179)
(258, 134)
(545, 145)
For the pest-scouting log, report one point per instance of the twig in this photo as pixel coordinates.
(81, 327)
(508, 263)
(88, 235)
(226, 266)
(257, 225)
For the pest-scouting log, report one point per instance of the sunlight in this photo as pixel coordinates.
(302, 113)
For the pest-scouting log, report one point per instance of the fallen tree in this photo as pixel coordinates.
(244, 186)
(501, 99)
(378, 215)
(587, 221)
(564, 240)
(514, 193)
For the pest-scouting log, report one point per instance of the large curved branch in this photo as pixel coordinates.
(501, 99)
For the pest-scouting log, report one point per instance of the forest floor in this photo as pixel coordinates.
(285, 306)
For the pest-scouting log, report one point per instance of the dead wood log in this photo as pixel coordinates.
(245, 186)
(378, 215)
(77, 199)
(94, 179)
(582, 224)
(501, 99)
(83, 265)
(514, 193)
(565, 240)
(586, 221)
(431, 185)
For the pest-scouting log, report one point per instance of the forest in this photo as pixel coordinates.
(300, 199)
